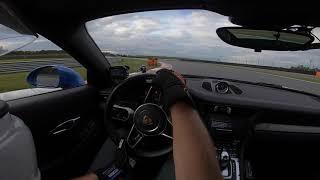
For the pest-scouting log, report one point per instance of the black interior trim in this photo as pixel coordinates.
(34, 108)
(286, 128)
(68, 154)
(53, 100)
(4, 108)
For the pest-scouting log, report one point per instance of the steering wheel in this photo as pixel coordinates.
(146, 125)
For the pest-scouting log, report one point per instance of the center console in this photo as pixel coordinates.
(228, 144)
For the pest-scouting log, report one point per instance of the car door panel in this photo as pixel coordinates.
(67, 128)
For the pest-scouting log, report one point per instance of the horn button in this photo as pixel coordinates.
(150, 119)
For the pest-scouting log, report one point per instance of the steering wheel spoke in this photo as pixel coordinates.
(122, 113)
(134, 137)
(166, 135)
(148, 94)
(166, 132)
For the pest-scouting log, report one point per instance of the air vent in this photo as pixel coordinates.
(235, 89)
(222, 87)
(207, 86)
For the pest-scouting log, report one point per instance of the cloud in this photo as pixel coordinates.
(167, 33)
(179, 33)
(183, 33)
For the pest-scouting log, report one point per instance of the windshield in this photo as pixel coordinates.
(186, 40)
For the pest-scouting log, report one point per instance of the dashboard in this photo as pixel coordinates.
(253, 96)
(264, 106)
(235, 112)
(245, 120)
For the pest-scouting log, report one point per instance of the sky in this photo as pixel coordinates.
(179, 33)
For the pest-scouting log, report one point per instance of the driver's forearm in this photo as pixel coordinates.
(193, 151)
(90, 176)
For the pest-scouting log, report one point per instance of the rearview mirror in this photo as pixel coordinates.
(258, 39)
(53, 76)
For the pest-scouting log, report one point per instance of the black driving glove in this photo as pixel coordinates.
(173, 88)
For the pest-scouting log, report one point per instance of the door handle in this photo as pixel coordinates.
(64, 127)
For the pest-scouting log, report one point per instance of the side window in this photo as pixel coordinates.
(31, 64)
(17, 65)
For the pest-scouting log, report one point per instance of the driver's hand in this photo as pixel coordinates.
(173, 87)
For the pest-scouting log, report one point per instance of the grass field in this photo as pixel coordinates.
(133, 63)
(82, 71)
(14, 81)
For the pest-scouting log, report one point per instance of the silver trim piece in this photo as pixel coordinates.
(236, 160)
(129, 111)
(136, 142)
(237, 169)
(287, 128)
(145, 99)
(166, 135)
(221, 91)
(221, 129)
(120, 144)
(152, 130)
(65, 126)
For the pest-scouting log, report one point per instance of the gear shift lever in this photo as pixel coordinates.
(224, 159)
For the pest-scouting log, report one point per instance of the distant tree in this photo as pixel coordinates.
(303, 69)
(2, 50)
(37, 52)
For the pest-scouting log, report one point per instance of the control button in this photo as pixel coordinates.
(222, 109)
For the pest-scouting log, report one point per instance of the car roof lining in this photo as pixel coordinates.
(247, 12)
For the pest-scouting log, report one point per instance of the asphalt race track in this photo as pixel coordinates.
(239, 73)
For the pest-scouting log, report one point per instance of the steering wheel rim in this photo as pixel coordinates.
(109, 122)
